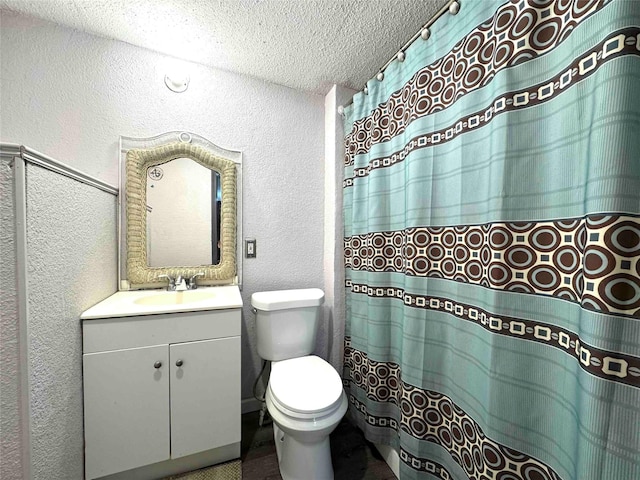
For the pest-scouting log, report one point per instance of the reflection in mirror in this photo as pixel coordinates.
(183, 214)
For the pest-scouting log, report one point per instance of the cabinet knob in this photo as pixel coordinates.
(179, 363)
(158, 364)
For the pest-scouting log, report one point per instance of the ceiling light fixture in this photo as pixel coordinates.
(176, 82)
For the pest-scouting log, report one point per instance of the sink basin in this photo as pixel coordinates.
(176, 298)
(134, 303)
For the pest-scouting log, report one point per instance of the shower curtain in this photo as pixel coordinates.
(492, 245)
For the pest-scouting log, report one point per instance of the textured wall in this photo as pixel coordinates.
(71, 95)
(71, 240)
(10, 426)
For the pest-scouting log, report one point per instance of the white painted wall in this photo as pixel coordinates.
(334, 225)
(72, 256)
(10, 392)
(71, 95)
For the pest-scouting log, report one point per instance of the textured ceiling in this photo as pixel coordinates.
(303, 44)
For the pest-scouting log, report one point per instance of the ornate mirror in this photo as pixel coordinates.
(179, 210)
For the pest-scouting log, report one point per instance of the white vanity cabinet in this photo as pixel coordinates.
(126, 410)
(161, 393)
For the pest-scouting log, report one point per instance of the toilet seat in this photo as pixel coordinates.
(305, 387)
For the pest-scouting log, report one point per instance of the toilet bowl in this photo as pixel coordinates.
(306, 402)
(304, 395)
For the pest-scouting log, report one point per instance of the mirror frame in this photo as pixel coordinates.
(139, 274)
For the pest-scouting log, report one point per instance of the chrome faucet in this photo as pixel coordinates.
(181, 284)
(192, 285)
(172, 283)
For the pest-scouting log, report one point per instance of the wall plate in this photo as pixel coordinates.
(250, 248)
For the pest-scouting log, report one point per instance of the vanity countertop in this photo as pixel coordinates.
(152, 302)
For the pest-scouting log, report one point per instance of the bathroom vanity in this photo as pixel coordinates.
(161, 382)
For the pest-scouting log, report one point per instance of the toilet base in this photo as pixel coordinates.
(303, 461)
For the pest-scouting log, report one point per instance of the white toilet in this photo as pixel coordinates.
(304, 396)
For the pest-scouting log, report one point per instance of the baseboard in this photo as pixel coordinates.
(251, 405)
(180, 465)
(391, 457)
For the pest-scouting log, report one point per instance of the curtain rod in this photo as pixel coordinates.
(452, 6)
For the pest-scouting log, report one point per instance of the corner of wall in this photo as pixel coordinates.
(11, 421)
(333, 224)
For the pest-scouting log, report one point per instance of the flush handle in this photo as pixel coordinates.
(158, 364)
(179, 363)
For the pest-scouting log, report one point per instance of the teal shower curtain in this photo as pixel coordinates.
(492, 245)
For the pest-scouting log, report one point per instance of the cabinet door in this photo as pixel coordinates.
(205, 395)
(126, 409)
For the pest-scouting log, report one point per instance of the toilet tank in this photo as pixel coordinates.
(287, 322)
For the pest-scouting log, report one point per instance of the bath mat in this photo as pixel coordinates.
(224, 471)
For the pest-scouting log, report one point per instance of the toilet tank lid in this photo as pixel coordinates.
(283, 299)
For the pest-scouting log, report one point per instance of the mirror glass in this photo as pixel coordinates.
(180, 211)
(183, 214)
